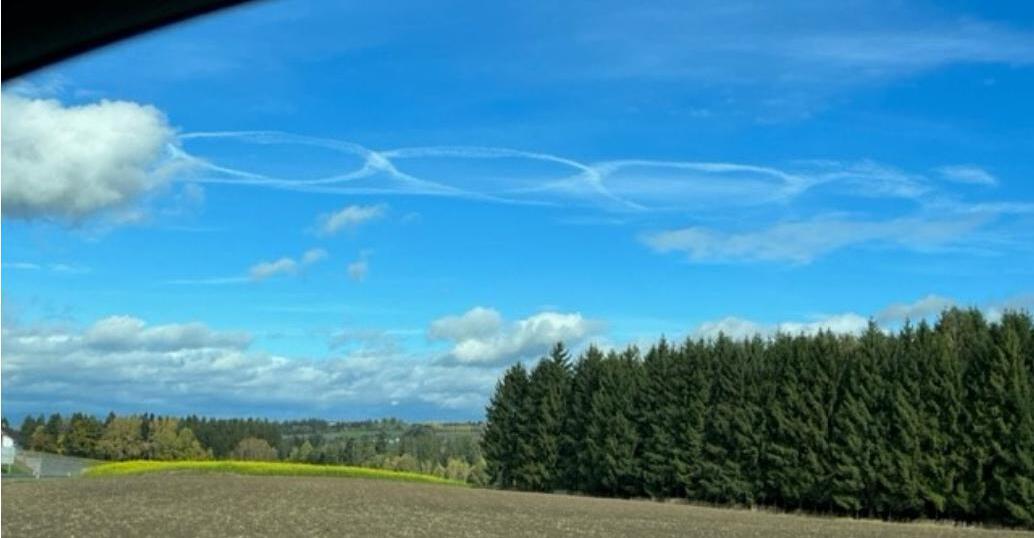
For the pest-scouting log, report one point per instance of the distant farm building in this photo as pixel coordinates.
(10, 450)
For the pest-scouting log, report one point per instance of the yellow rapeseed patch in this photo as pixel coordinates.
(264, 468)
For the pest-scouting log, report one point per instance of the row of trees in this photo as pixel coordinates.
(417, 448)
(930, 421)
(388, 444)
(116, 438)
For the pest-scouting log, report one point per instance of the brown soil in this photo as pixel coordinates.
(229, 505)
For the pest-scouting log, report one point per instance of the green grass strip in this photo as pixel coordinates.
(261, 468)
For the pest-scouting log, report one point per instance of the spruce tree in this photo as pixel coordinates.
(545, 408)
(1010, 428)
(855, 432)
(940, 462)
(612, 434)
(727, 443)
(579, 471)
(504, 429)
(900, 481)
(795, 463)
(971, 340)
(695, 367)
(661, 413)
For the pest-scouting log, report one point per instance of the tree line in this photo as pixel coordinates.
(453, 452)
(933, 421)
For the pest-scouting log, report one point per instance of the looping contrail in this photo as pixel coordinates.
(587, 181)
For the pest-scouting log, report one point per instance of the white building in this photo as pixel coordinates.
(10, 450)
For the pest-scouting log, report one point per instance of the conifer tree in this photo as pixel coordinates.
(1010, 428)
(939, 406)
(795, 462)
(723, 473)
(544, 411)
(693, 366)
(503, 437)
(612, 434)
(971, 341)
(661, 412)
(579, 471)
(901, 422)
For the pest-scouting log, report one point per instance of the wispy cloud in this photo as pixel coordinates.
(803, 241)
(313, 255)
(263, 270)
(349, 218)
(211, 281)
(285, 265)
(358, 269)
(641, 187)
(62, 268)
(795, 46)
(967, 173)
(21, 265)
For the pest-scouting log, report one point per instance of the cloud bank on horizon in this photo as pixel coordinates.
(386, 240)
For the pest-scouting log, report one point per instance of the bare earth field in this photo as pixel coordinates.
(231, 505)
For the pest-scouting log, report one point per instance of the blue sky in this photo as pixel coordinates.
(349, 210)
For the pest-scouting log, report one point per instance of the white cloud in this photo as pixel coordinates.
(478, 322)
(129, 333)
(123, 363)
(847, 323)
(480, 337)
(313, 255)
(925, 307)
(995, 309)
(282, 266)
(358, 270)
(70, 163)
(22, 265)
(967, 173)
(350, 217)
(803, 241)
(739, 328)
(731, 326)
(853, 323)
(263, 270)
(62, 268)
(797, 47)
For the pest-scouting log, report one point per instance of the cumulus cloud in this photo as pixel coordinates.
(853, 323)
(925, 307)
(349, 218)
(481, 337)
(730, 326)
(120, 333)
(739, 328)
(478, 322)
(803, 241)
(121, 362)
(967, 173)
(73, 162)
(286, 265)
